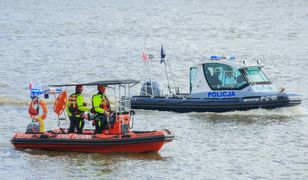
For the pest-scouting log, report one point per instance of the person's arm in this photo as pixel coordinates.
(81, 105)
(96, 103)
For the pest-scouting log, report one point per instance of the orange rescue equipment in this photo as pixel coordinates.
(34, 111)
(60, 103)
(105, 104)
(34, 107)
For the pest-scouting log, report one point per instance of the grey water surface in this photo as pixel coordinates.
(46, 42)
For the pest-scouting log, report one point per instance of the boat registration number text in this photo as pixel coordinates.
(268, 98)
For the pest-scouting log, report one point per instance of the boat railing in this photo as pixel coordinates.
(124, 105)
(145, 93)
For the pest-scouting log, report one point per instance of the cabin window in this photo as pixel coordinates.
(224, 77)
(256, 75)
(193, 74)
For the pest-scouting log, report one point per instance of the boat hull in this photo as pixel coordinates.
(211, 104)
(151, 141)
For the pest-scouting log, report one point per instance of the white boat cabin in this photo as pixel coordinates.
(226, 77)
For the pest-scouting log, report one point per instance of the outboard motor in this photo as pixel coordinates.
(146, 89)
(33, 128)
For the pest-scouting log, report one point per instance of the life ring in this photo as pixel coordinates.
(60, 103)
(34, 112)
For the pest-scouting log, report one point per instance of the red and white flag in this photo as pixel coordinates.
(30, 86)
(144, 57)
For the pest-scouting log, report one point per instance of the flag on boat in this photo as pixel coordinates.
(30, 86)
(144, 57)
(162, 55)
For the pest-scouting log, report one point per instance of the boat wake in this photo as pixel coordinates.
(3, 85)
(288, 112)
(11, 101)
(253, 116)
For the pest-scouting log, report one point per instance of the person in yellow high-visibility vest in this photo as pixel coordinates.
(75, 109)
(101, 108)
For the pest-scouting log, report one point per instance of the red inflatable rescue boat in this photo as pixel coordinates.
(135, 141)
(118, 137)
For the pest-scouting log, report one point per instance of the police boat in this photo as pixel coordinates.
(118, 137)
(219, 84)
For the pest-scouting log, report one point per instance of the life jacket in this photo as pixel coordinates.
(72, 104)
(105, 104)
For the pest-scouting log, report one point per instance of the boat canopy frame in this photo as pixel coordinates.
(104, 83)
(122, 101)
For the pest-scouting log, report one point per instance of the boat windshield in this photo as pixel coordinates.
(224, 77)
(256, 75)
(193, 74)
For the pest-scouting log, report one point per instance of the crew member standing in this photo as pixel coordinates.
(75, 109)
(101, 108)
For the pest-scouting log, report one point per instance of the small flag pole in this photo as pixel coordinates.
(144, 59)
(147, 60)
(175, 88)
(167, 65)
(162, 60)
(150, 67)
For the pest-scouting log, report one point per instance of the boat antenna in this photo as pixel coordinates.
(167, 70)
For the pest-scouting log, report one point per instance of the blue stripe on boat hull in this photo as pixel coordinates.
(207, 105)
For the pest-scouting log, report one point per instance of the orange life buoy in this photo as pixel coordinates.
(60, 103)
(34, 107)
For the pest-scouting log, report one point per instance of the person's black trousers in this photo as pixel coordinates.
(76, 123)
(100, 124)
